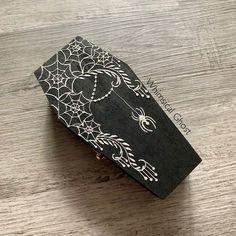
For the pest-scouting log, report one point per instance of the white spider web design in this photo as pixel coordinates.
(55, 74)
(74, 109)
(81, 50)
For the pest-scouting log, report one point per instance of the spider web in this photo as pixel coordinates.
(89, 130)
(56, 75)
(87, 55)
(74, 109)
(80, 53)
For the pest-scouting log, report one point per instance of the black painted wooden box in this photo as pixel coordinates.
(99, 98)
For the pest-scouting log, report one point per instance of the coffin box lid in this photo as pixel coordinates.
(100, 99)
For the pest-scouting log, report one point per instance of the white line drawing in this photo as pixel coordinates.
(80, 60)
(138, 114)
(144, 121)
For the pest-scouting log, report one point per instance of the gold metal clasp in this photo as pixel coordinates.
(99, 156)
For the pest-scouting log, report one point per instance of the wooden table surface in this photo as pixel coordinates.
(50, 181)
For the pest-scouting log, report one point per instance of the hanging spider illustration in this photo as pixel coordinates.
(145, 122)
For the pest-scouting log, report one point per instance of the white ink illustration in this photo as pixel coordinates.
(81, 60)
(144, 121)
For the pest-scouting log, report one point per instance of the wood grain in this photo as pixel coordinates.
(50, 182)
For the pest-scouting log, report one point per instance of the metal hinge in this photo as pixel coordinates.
(99, 156)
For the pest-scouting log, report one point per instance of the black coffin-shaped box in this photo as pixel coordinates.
(99, 98)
